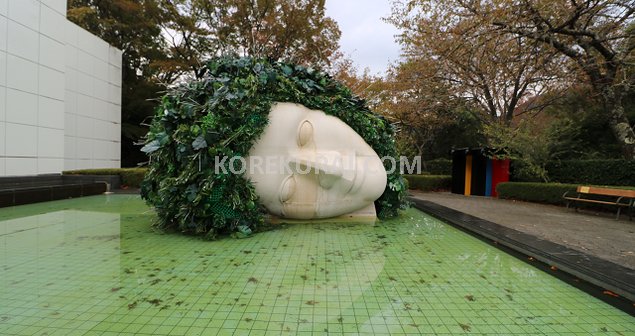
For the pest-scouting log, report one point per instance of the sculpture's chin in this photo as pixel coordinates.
(321, 210)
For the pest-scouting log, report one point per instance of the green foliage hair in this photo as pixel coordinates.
(223, 114)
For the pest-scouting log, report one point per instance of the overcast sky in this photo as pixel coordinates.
(368, 40)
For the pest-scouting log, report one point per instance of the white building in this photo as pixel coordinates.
(60, 92)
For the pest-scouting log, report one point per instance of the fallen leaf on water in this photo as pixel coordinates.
(465, 327)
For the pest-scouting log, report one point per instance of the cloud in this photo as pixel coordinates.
(368, 40)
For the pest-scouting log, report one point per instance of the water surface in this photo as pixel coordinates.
(94, 266)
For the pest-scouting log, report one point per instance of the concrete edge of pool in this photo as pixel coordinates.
(596, 271)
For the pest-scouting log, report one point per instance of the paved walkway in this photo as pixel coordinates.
(595, 234)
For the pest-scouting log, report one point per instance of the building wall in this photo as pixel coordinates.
(60, 92)
(93, 102)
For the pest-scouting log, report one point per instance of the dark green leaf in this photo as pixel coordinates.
(199, 143)
(151, 147)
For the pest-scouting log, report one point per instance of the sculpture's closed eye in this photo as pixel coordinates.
(305, 133)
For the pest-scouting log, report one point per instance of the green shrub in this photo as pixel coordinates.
(550, 193)
(522, 172)
(429, 182)
(130, 177)
(439, 167)
(596, 172)
(599, 172)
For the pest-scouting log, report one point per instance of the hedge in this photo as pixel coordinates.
(617, 172)
(550, 193)
(130, 177)
(599, 172)
(429, 182)
(520, 172)
(439, 167)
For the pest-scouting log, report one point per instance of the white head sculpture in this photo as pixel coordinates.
(311, 165)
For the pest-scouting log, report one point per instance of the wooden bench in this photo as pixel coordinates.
(621, 198)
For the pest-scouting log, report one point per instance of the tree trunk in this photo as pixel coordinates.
(420, 154)
(620, 126)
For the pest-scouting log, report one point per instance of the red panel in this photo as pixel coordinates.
(500, 173)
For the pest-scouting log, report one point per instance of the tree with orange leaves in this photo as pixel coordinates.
(496, 72)
(289, 30)
(591, 40)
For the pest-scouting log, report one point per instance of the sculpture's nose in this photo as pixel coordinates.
(317, 162)
(330, 166)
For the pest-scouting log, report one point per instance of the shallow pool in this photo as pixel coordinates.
(94, 266)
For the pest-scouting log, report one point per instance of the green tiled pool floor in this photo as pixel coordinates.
(93, 266)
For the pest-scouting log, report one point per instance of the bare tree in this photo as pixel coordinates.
(498, 72)
(597, 36)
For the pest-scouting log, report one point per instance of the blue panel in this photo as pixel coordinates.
(488, 178)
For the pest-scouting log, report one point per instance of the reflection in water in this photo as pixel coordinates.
(94, 265)
(56, 261)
